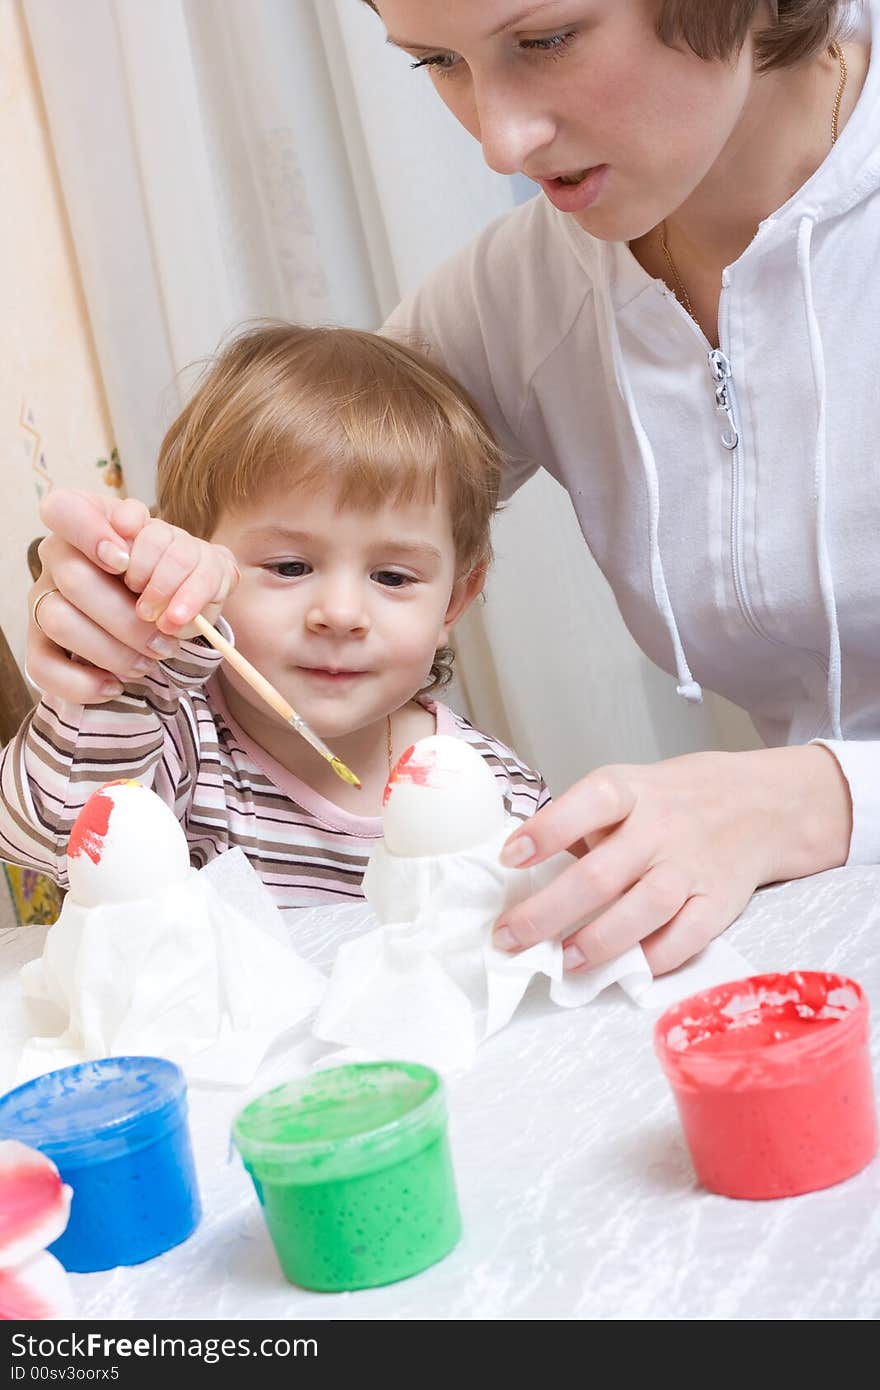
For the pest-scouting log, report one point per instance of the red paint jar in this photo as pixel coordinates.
(772, 1078)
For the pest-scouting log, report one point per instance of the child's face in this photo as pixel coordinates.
(341, 610)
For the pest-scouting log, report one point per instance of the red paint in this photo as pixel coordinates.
(29, 1191)
(406, 770)
(773, 1083)
(774, 1026)
(90, 827)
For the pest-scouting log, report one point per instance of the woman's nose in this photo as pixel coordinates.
(513, 129)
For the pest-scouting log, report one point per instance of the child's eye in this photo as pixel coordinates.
(289, 569)
(391, 579)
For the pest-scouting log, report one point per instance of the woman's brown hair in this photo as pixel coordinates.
(717, 29)
(798, 29)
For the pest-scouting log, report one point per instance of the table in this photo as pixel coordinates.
(577, 1194)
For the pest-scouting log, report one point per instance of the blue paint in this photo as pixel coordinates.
(117, 1130)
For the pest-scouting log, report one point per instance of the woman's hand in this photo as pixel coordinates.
(671, 853)
(120, 589)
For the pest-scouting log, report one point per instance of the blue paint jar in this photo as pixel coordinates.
(117, 1130)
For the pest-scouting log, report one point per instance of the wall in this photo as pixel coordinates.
(54, 426)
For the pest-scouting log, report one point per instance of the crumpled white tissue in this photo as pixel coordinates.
(428, 984)
(202, 974)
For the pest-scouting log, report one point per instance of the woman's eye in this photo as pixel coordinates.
(441, 63)
(289, 569)
(549, 46)
(552, 46)
(390, 579)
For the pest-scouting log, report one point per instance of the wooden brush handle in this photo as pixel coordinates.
(255, 680)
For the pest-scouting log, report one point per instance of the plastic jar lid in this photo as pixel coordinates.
(95, 1110)
(723, 1038)
(341, 1122)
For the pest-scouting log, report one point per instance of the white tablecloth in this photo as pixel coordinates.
(578, 1198)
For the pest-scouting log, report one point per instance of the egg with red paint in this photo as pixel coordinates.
(441, 798)
(34, 1210)
(125, 844)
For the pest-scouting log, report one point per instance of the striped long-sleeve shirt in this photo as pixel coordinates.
(173, 732)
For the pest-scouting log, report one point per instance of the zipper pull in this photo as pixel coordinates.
(720, 368)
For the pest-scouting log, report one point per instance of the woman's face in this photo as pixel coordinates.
(562, 87)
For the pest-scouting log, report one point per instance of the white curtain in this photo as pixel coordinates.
(223, 160)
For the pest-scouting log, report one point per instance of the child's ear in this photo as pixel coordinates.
(464, 591)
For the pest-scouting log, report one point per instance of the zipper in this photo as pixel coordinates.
(719, 366)
(725, 404)
(731, 438)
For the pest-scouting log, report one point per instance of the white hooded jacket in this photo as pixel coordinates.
(731, 498)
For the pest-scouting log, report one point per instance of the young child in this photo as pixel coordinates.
(354, 484)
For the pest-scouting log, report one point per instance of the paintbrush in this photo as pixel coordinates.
(273, 698)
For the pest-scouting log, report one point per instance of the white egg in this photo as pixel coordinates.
(441, 797)
(126, 844)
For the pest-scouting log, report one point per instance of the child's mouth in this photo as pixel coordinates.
(329, 673)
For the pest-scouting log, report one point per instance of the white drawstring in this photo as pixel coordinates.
(820, 478)
(687, 687)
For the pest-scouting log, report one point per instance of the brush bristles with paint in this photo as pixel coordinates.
(273, 698)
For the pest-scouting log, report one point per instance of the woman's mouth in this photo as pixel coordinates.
(577, 189)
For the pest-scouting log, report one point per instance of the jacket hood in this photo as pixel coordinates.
(851, 171)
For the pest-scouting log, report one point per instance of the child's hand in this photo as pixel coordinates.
(85, 612)
(177, 576)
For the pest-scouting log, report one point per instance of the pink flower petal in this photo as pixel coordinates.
(34, 1202)
(39, 1288)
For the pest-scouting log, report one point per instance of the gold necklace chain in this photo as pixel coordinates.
(680, 292)
(837, 52)
(388, 745)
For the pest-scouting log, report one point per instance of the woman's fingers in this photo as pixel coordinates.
(580, 891)
(690, 840)
(90, 593)
(598, 801)
(63, 628)
(116, 619)
(659, 896)
(69, 679)
(673, 855)
(690, 930)
(84, 522)
(48, 668)
(92, 615)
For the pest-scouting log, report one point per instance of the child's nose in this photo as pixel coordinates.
(338, 609)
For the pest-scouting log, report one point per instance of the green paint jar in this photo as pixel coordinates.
(353, 1169)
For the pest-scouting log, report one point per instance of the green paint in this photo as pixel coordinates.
(352, 1166)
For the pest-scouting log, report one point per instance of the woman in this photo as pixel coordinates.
(680, 329)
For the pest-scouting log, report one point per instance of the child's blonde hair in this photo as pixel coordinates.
(365, 416)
